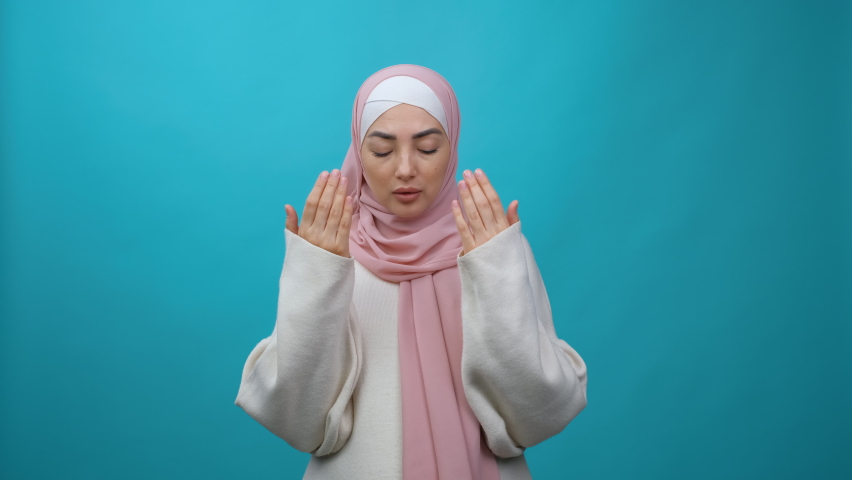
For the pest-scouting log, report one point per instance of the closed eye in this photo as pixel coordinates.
(427, 152)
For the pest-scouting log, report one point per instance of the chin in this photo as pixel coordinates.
(408, 210)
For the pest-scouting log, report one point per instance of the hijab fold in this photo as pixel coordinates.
(442, 438)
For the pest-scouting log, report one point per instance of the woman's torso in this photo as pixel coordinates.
(374, 449)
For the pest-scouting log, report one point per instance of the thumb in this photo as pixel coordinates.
(292, 219)
(512, 215)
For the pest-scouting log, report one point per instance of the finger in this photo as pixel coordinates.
(481, 203)
(336, 210)
(292, 219)
(467, 238)
(313, 200)
(493, 199)
(474, 219)
(326, 200)
(513, 217)
(345, 225)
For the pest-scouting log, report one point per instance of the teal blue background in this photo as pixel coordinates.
(683, 171)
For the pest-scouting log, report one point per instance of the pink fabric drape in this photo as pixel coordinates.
(442, 438)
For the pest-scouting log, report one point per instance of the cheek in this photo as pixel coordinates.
(441, 166)
(376, 173)
(368, 168)
(437, 172)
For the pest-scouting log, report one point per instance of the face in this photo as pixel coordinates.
(405, 156)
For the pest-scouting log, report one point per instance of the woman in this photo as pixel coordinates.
(429, 352)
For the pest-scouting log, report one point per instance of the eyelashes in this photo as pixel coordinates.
(427, 152)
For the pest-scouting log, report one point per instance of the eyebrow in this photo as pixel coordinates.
(389, 136)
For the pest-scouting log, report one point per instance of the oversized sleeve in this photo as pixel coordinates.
(298, 382)
(523, 383)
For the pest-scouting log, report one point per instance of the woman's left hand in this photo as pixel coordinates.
(485, 215)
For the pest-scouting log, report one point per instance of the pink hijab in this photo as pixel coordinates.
(442, 438)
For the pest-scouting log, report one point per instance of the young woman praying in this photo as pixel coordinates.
(414, 338)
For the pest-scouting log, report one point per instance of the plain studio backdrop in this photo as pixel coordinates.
(683, 171)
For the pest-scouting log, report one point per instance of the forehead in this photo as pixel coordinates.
(404, 118)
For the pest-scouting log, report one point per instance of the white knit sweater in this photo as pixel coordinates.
(327, 379)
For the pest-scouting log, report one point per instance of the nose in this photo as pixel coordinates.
(405, 169)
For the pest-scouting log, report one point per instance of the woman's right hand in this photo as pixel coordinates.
(327, 216)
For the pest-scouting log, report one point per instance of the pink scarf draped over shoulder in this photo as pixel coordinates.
(442, 438)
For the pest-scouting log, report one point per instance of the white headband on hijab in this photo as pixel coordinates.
(400, 89)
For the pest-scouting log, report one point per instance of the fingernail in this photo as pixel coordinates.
(343, 181)
(479, 172)
(463, 185)
(335, 173)
(324, 175)
(348, 200)
(467, 174)
(455, 204)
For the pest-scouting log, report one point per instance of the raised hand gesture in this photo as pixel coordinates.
(327, 216)
(485, 214)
